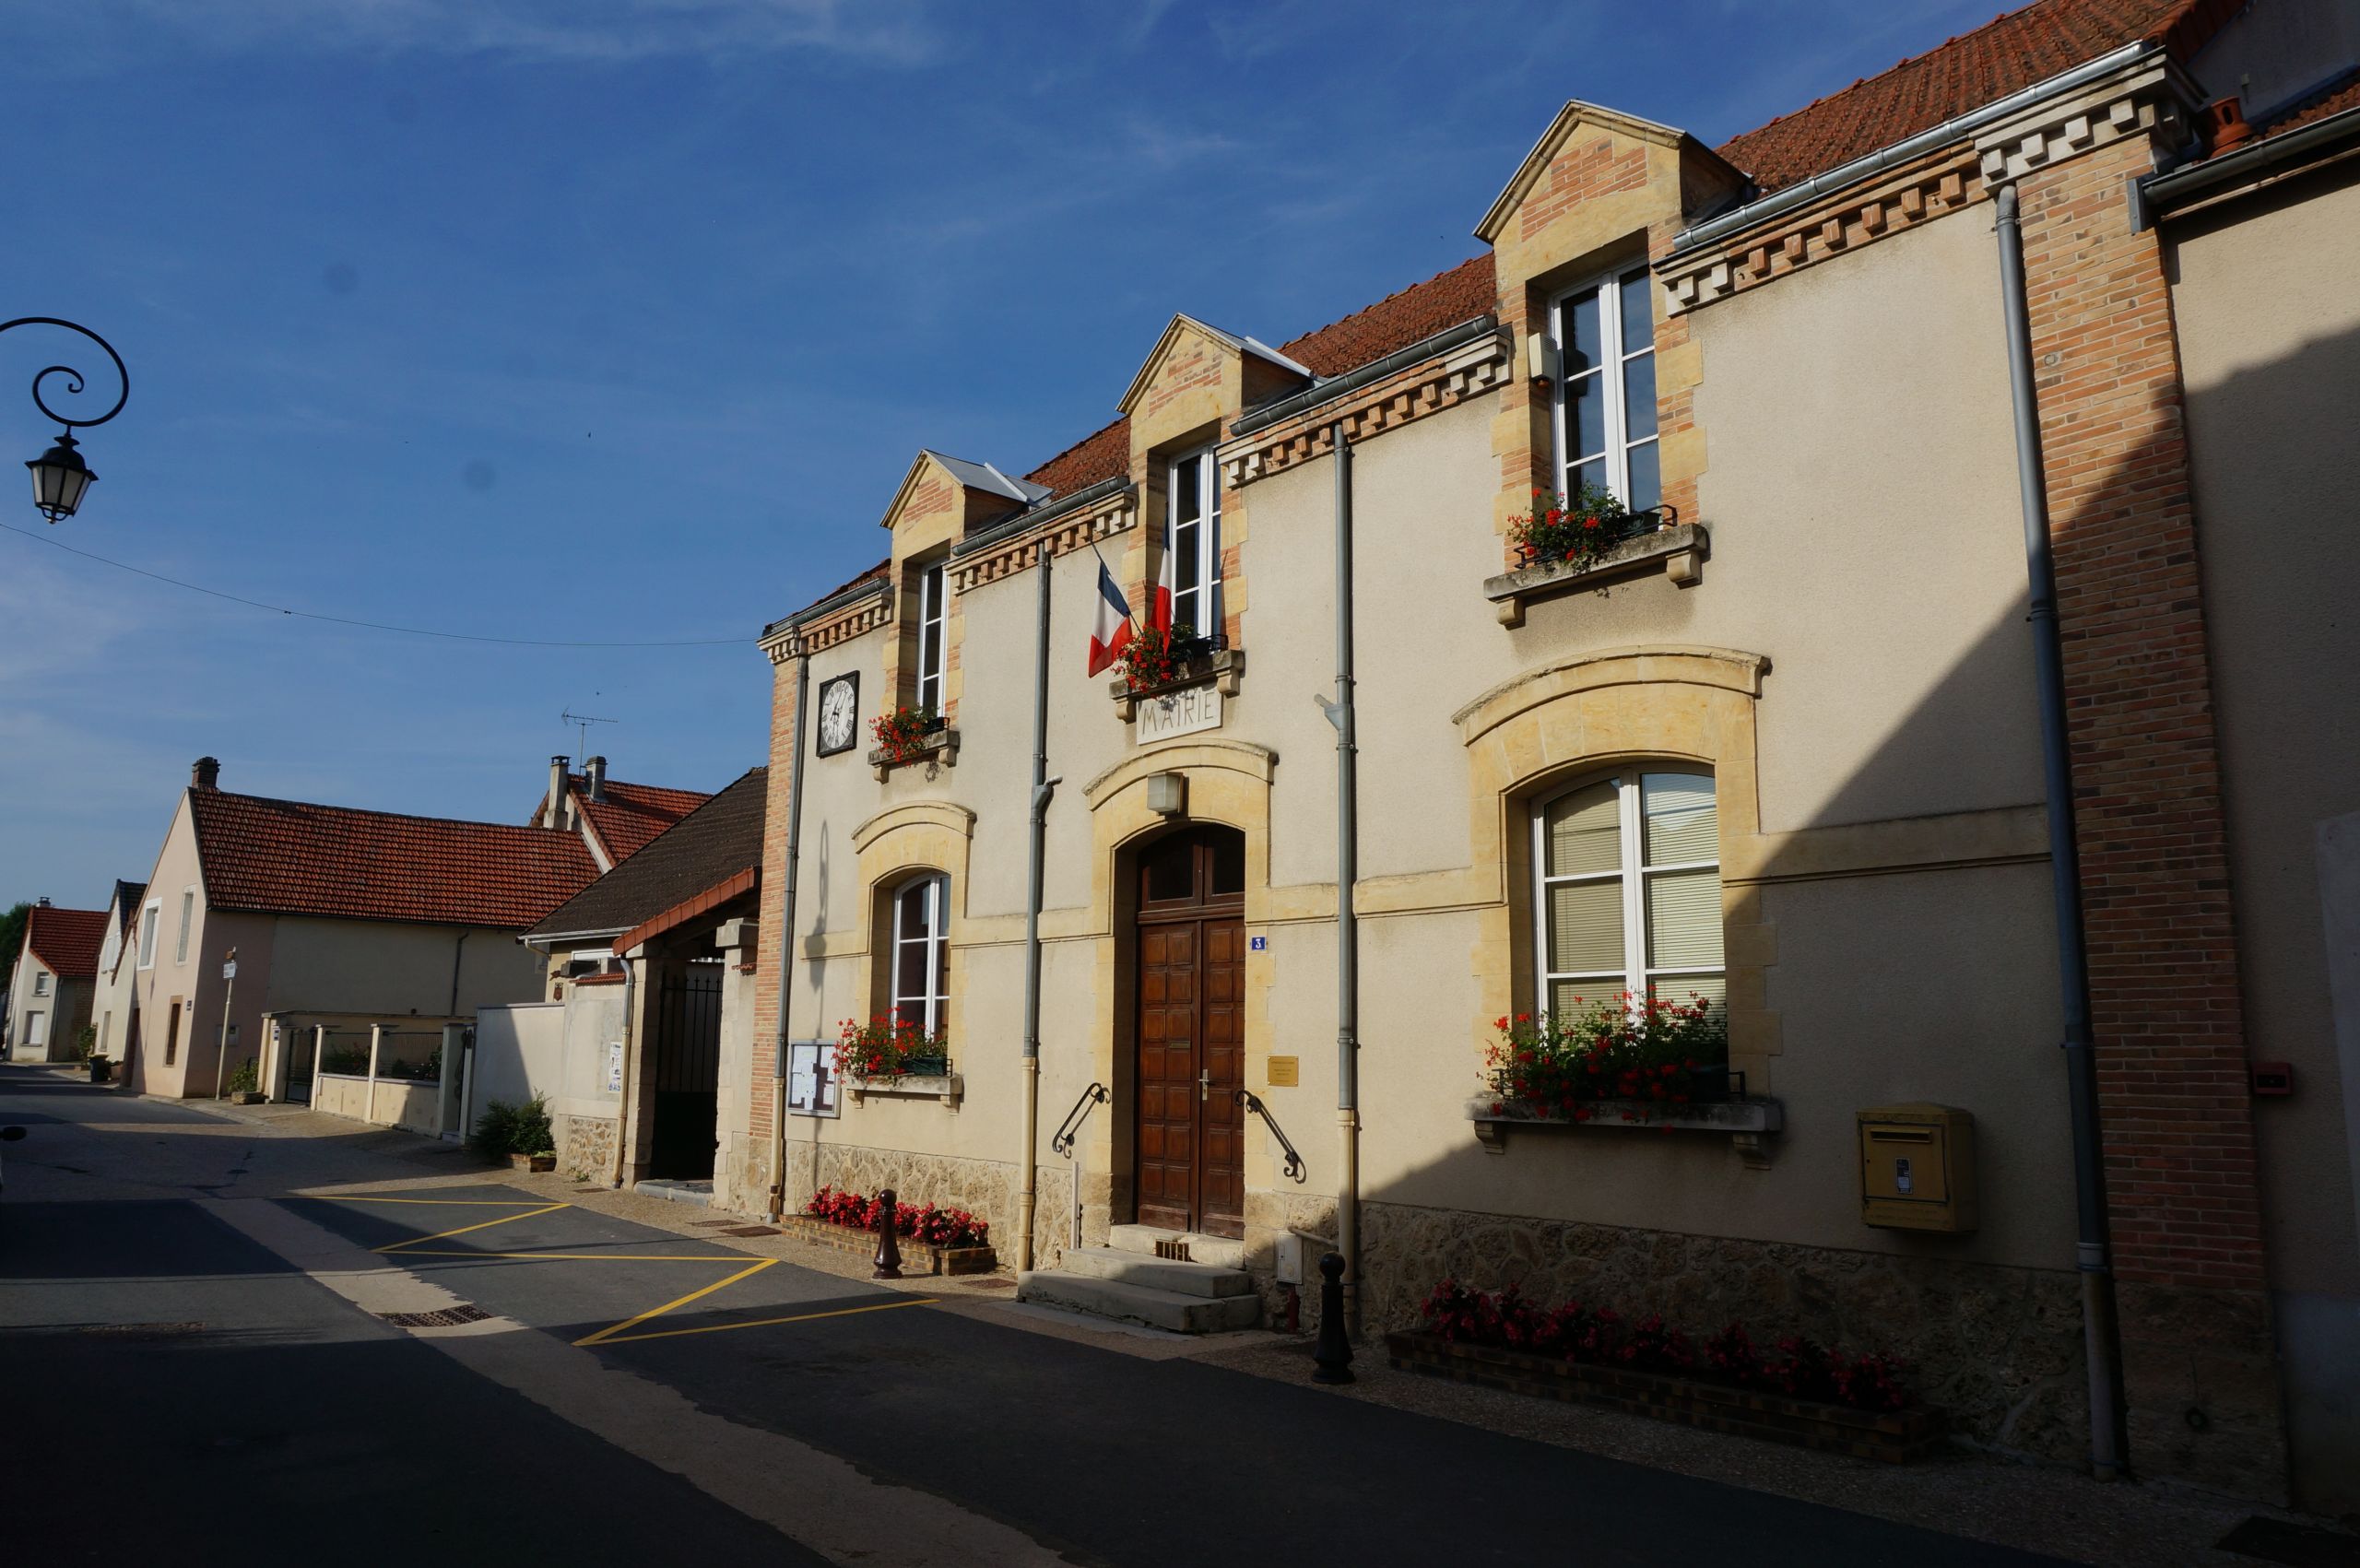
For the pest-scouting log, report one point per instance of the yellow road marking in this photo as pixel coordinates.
(481, 1225)
(757, 1322)
(433, 1202)
(693, 1295)
(582, 1257)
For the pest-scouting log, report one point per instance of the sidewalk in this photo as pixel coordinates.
(1963, 1494)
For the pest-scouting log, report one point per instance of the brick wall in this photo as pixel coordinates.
(2178, 1120)
(771, 934)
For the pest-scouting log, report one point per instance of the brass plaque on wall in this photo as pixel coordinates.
(1285, 1072)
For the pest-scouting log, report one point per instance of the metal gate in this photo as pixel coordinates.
(687, 1073)
(302, 1054)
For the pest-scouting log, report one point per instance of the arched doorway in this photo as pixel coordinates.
(1189, 1143)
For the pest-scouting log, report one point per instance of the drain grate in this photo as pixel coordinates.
(441, 1318)
(593, 1189)
(142, 1331)
(752, 1231)
(713, 1224)
(1176, 1251)
(989, 1282)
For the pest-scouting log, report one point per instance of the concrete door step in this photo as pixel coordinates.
(1140, 1304)
(1222, 1252)
(1157, 1273)
(700, 1194)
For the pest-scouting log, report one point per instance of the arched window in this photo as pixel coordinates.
(921, 952)
(1627, 891)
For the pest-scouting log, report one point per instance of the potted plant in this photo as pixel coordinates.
(1576, 531)
(905, 734)
(888, 1046)
(102, 1069)
(244, 1087)
(1634, 1058)
(519, 1134)
(1158, 656)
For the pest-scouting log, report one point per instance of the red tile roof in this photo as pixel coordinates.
(67, 941)
(1100, 456)
(1398, 320)
(2333, 102)
(631, 814)
(2007, 53)
(290, 858)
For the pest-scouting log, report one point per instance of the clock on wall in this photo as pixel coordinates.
(839, 712)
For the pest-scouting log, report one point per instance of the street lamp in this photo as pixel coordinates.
(60, 477)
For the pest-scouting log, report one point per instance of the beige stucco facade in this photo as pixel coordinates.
(1844, 651)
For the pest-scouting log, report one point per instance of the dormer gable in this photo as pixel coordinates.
(1597, 176)
(942, 497)
(1197, 376)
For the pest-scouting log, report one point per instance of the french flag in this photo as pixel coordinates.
(1160, 615)
(1112, 628)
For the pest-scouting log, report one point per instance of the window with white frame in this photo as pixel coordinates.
(41, 983)
(149, 918)
(36, 1030)
(188, 918)
(1627, 887)
(930, 635)
(922, 953)
(1193, 502)
(1606, 390)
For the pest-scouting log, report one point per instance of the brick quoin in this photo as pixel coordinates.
(2163, 985)
(769, 936)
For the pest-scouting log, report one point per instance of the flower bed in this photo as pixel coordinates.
(917, 1258)
(953, 1241)
(1802, 1393)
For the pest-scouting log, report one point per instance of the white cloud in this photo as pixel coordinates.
(891, 32)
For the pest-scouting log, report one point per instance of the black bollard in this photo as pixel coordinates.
(1333, 1353)
(888, 1241)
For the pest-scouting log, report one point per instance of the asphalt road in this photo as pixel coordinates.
(197, 1367)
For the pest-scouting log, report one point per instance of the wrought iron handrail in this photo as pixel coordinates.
(1070, 1128)
(1294, 1167)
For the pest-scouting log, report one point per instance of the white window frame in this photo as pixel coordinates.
(41, 983)
(36, 1030)
(151, 917)
(1203, 612)
(929, 1013)
(931, 638)
(1637, 976)
(188, 920)
(1608, 288)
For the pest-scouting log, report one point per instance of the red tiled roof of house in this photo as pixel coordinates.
(1099, 455)
(2006, 53)
(2320, 108)
(1465, 291)
(631, 814)
(291, 857)
(67, 941)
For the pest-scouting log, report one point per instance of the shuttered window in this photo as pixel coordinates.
(1627, 892)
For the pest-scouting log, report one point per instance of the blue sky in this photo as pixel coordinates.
(618, 319)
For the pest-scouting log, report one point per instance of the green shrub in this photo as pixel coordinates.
(246, 1076)
(505, 1129)
(351, 1059)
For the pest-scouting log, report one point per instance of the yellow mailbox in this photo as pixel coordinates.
(1917, 1167)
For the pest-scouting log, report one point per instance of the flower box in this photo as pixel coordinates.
(1224, 667)
(917, 1258)
(532, 1161)
(937, 745)
(948, 1087)
(1746, 1119)
(1894, 1437)
(1677, 550)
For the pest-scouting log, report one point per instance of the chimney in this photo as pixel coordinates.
(553, 811)
(205, 773)
(597, 768)
(45, 903)
(2225, 121)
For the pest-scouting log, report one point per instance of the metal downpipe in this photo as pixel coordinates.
(786, 934)
(1043, 787)
(1348, 1088)
(2100, 1346)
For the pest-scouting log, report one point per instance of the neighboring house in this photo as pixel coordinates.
(49, 992)
(113, 1005)
(651, 966)
(616, 819)
(1782, 748)
(332, 912)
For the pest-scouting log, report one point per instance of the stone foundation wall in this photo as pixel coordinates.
(1997, 1351)
(987, 1188)
(586, 1147)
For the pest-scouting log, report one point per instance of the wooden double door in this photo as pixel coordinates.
(1190, 1129)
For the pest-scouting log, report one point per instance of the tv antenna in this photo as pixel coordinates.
(583, 722)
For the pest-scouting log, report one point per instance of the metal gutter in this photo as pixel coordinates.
(1016, 526)
(2162, 192)
(834, 601)
(1348, 945)
(1044, 787)
(1286, 408)
(785, 946)
(1950, 130)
